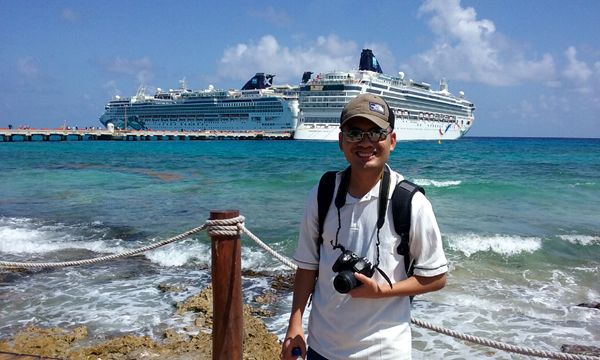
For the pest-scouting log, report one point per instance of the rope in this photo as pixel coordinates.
(225, 227)
(266, 247)
(25, 265)
(501, 345)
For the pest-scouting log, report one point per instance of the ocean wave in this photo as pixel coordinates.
(28, 236)
(24, 237)
(585, 240)
(435, 183)
(179, 254)
(26, 241)
(506, 245)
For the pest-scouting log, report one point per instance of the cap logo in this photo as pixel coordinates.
(376, 108)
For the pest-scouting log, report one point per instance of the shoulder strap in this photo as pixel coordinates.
(324, 197)
(401, 210)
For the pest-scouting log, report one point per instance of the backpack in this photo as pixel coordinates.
(401, 212)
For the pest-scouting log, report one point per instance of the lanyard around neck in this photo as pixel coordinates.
(340, 201)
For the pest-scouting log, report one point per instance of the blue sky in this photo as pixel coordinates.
(531, 67)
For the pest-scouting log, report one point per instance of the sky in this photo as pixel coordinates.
(531, 67)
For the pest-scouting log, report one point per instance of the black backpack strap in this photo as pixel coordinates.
(401, 210)
(324, 197)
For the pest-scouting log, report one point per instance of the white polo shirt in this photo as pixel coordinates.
(341, 327)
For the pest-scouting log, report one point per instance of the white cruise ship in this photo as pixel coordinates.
(258, 106)
(421, 113)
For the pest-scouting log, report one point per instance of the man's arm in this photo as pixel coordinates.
(304, 283)
(414, 285)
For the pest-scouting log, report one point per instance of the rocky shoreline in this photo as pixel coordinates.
(74, 343)
(258, 342)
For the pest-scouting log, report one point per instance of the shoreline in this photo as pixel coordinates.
(74, 342)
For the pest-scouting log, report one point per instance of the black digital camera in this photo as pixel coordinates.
(346, 265)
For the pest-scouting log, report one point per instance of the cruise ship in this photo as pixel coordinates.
(257, 106)
(421, 113)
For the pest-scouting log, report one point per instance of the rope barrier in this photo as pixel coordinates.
(502, 346)
(225, 227)
(235, 226)
(266, 247)
(26, 265)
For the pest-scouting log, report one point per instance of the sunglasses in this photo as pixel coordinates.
(356, 135)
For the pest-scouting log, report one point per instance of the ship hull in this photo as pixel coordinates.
(404, 131)
(276, 115)
(420, 112)
(257, 107)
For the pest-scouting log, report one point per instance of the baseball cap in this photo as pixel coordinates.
(370, 107)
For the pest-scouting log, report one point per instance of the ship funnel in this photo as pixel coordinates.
(443, 85)
(369, 62)
(306, 76)
(259, 81)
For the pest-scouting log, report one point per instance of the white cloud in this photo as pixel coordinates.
(267, 55)
(111, 87)
(140, 68)
(576, 70)
(69, 15)
(28, 67)
(469, 49)
(270, 15)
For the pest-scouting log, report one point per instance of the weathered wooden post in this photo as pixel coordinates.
(228, 318)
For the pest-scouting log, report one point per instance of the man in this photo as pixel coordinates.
(372, 320)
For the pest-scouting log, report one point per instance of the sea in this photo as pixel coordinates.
(520, 222)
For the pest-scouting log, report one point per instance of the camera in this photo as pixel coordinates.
(346, 265)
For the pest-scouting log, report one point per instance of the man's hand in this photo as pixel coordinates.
(289, 344)
(369, 288)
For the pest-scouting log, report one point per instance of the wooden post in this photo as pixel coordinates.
(228, 318)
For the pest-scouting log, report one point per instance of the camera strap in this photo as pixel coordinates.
(340, 201)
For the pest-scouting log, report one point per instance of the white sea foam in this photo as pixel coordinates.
(26, 236)
(178, 254)
(435, 183)
(585, 240)
(26, 241)
(507, 245)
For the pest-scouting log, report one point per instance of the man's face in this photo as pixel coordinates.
(366, 153)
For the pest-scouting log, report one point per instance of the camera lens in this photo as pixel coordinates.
(345, 281)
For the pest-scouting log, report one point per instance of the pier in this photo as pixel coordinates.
(26, 135)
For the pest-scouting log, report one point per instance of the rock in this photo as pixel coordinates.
(52, 342)
(143, 354)
(283, 282)
(166, 287)
(590, 305)
(200, 303)
(267, 298)
(581, 350)
(258, 342)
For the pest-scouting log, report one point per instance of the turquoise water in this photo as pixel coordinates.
(520, 220)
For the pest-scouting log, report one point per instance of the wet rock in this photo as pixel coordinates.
(258, 342)
(263, 313)
(267, 298)
(283, 282)
(581, 350)
(166, 287)
(53, 342)
(278, 282)
(590, 305)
